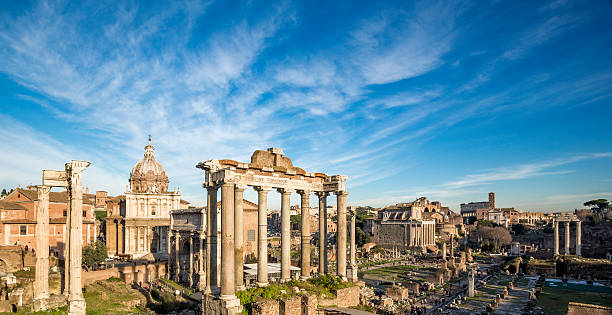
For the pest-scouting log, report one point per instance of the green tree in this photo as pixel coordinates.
(94, 253)
(361, 237)
(519, 229)
(296, 219)
(597, 203)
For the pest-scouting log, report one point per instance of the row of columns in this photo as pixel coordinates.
(567, 238)
(190, 267)
(421, 234)
(232, 239)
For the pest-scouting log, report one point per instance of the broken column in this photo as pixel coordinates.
(578, 238)
(352, 275)
(41, 284)
(76, 302)
(471, 283)
(556, 237)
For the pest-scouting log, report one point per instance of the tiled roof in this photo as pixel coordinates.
(11, 205)
(56, 196)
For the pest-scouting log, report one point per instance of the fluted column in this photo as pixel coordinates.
(353, 252)
(190, 261)
(305, 234)
(201, 262)
(41, 285)
(567, 237)
(211, 236)
(322, 232)
(262, 236)
(239, 237)
(556, 237)
(228, 283)
(578, 238)
(285, 235)
(76, 301)
(341, 234)
(177, 247)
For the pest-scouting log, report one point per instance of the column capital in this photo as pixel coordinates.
(285, 190)
(211, 188)
(341, 193)
(304, 192)
(43, 189)
(322, 194)
(240, 187)
(262, 188)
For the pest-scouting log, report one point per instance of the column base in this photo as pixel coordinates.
(213, 305)
(304, 278)
(352, 274)
(240, 288)
(40, 304)
(262, 284)
(77, 306)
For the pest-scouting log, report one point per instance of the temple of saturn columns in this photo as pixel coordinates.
(70, 179)
(269, 170)
(567, 218)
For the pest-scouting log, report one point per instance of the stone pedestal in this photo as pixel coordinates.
(213, 305)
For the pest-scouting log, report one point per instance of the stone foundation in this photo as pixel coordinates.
(213, 305)
(574, 308)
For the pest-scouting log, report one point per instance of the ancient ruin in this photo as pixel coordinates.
(267, 170)
(70, 179)
(567, 218)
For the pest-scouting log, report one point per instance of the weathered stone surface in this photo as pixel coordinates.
(266, 307)
(348, 297)
(574, 308)
(291, 306)
(309, 304)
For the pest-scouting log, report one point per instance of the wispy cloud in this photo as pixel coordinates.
(523, 171)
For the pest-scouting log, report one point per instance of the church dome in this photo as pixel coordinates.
(148, 175)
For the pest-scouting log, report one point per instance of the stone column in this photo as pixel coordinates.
(262, 236)
(138, 236)
(305, 241)
(285, 235)
(190, 261)
(444, 250)
(76, 302)
(41, 284)
(177, 259)
(471, 283)
(353, 259)
(202, 263)
(239, 237)
(66, 288)
(211, 246)
(228, 283)
(567, 237)
(322, 232)
(556, 237)
(578, 238)
(341, 234)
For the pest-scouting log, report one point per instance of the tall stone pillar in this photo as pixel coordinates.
(190, 273)
(202, 262)
(567, 237)
(556, 237)
(239, 237)
(228, 283)
(578, 238)
(322, 232)
(212, 280)
(177, 259)
(66, 287)
(443, 250)
(76, 302)
(262, 236)
(138, 236)
(341, 234)
(471, 283)
(305, 242)
(285, 235)
(41, 284)
(352, 275)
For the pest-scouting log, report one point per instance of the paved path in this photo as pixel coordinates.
(516, 300)
(347, 311)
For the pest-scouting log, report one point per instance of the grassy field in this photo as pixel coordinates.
(555, 300)
(111, 297)
(399, 273)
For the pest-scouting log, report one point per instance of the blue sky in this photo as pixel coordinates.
(448, 100)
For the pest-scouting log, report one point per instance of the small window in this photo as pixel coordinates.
(65, 212)
(23, 230)
(153, 210)
(251, 236)
(84, 213)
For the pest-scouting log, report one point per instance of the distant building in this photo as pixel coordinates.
(18, 213)
(403, 226)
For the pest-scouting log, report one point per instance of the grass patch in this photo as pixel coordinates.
(106, 297)
(555, 300)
